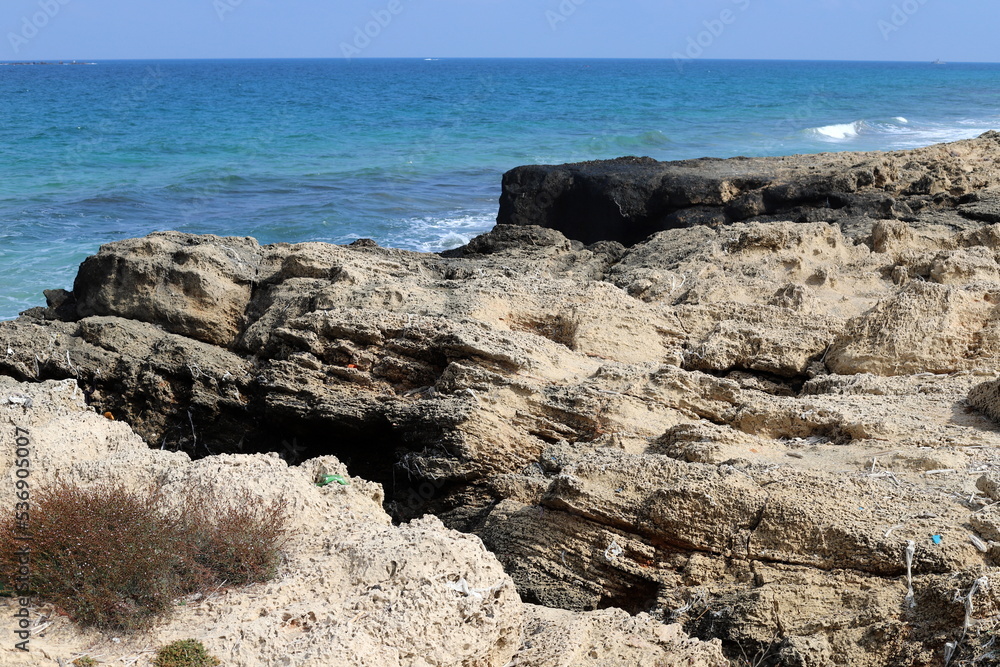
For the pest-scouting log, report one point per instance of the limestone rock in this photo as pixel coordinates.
(197, 286)
(352, 585)
(738, 428)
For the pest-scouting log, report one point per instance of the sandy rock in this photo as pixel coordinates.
(985, 397)
(739, 428)
(990, 485)
(609, 638)
(923, 328)
(198, 286)
(352, 585)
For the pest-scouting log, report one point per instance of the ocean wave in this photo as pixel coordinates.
(429, 234)
(837, 131)
(847, 131)
(896, 132)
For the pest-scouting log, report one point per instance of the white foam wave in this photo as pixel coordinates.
(939, 135)
(438, 234)
(896, 132)
(838, 131)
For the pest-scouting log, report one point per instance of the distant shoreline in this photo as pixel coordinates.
(50, 62)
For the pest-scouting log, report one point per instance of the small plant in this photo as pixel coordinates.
(184, 653)
(116, 559)
(85, 661)
(106, 555)
(239, 542)
(765, 655)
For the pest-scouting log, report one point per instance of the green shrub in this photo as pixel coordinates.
(184, 653)
(85, 661)
(117, 559)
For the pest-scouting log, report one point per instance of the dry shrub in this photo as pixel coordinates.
(116, 559)
(238, 541)
(106, 555)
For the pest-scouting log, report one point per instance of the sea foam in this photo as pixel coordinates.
(838, 131)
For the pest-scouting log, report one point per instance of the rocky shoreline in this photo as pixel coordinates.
(630, 198)
(724, 396)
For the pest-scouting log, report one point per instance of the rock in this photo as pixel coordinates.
(611, 638)
(738, 428)
(990, 485)
(985, 397)
(923, 328)
(352, 585)
(628, 199)
(986, 208)
(987, 523)
(197, 286)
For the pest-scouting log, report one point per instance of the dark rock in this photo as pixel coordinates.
(510, 237)
(983, 210)
(627, 199)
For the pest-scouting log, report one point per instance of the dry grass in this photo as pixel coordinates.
(116, 559)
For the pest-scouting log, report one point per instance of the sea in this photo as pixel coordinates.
(408, 152)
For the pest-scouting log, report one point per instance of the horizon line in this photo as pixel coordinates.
(438, 58)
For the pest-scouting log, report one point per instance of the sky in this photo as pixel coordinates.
(917, 30)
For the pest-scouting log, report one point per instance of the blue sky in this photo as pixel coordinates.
(953, 30)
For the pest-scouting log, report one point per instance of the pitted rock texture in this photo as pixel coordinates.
(739, 428)
(352, 589)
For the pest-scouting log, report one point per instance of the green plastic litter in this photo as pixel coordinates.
(329, 479)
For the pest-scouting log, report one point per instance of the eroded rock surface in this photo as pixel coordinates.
(352, 590)
(738, 428)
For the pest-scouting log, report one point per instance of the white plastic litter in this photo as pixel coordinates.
(911, 548)
(613, 551)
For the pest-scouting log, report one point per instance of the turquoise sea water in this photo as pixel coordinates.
(408, 152)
